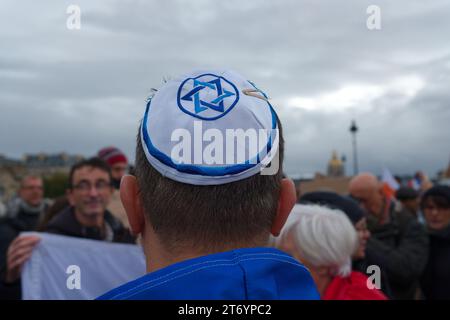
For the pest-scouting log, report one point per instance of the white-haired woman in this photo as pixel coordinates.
(324, 240)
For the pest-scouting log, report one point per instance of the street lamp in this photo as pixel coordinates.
(354, 130)
(344, 164)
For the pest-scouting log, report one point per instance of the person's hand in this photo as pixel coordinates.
(18, 253)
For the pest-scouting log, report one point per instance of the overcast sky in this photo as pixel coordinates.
(80, 90)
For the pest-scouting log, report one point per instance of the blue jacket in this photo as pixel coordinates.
(252, 273)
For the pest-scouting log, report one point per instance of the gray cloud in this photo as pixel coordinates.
(78, 91)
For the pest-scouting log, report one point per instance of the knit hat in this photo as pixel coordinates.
(112, 155)
(334, 201)
(440, 191)
(406, 193)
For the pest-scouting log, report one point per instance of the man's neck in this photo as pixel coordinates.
(89, 221)
(29, 208)
(158, 257)
(158, 260)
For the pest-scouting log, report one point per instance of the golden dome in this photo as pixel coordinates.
(335, 161)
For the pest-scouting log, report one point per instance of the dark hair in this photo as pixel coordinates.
(439, 195)
(209, 218)
(94, 162)
(439, 201)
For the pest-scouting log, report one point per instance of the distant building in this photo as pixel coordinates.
(334, 181)
(11, 171)
(41, 164)
(335, 166)
(323, 183)
(4, 161)
(444, 176)
(42, 160)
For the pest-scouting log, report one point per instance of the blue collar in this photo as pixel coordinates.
(241, 274)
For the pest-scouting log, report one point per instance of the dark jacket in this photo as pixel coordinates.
(65, 223)
(17, 220)
(14, 223)
(400, 248)
(435, 280)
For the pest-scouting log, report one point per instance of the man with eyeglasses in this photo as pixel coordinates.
(89, 192)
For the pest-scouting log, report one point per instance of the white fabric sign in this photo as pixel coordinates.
(63, 268)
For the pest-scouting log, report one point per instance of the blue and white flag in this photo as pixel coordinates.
(62, 268)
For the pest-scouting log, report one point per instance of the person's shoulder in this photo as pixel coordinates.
(12, 208)
(122, 291)
(142, 287)
(403, 214)
(406, 219)
(358, 278)
(5, 221)
(114, 222)
(121, 234)
(62, 222)
(8, 228)
(2, 210)
(362, 289)
(11, 221)
(221, 275)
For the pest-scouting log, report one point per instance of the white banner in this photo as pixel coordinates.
(63, 268)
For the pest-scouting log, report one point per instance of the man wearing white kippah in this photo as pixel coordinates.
(207, 193)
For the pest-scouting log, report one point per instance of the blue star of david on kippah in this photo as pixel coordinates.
(216, 104)
(219, 103)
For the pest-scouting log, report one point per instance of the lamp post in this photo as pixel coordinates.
(344, 164)
(354, 130)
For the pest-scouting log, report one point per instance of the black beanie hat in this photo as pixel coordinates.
(406, 193)
(440, 191)
(335, 201)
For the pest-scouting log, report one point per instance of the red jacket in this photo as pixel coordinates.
(353, 287)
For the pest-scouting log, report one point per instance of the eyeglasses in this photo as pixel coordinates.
(85, 186)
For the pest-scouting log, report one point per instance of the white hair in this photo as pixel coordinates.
(324, 237)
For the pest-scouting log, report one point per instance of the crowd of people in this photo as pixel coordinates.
(90, 209)
(235, 233)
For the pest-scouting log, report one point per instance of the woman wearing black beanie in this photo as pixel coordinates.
(435, 205)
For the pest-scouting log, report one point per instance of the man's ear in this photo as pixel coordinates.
(286, 202)
(129, 194)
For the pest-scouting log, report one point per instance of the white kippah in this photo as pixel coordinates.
(201, 128)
